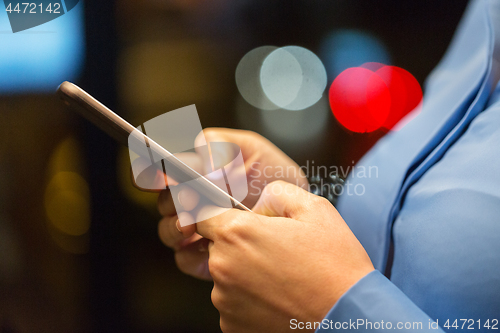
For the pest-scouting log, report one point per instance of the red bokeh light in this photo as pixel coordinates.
(372, 96)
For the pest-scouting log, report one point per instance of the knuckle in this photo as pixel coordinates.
(280, 184)
(269, 188)
(321, 203)
(221, 302)
(210, 129)
(219, 270)
(216, 298)
(225, 310)
(253, 134)
(233, 230)
(215, 267)
(279, 187)
(277, 183)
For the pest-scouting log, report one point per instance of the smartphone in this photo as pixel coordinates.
(122, 131)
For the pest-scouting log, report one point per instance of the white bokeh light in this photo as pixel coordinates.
(281, 77)
(290, 78)
(293, 78)
(248, 78)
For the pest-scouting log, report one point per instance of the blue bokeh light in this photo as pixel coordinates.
(345, 48)
(40, 58)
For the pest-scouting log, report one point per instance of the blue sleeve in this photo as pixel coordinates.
(375, 304)
(443, 172)
(446, 246)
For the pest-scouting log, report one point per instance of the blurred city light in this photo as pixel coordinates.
(346, 48)
(67, 203)
(67, 198)
(248, 78)
(373, 96)
(40, 58)
(291, 78)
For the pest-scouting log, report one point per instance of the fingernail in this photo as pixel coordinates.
(188, 199)
(181, 196)
(178, 226)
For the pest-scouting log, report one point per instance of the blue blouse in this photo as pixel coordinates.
(430, 217)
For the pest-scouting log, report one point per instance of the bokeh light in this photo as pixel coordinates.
(373, 96)
(67, 203)
(67, 198)
(39, 59)
(346, 48)
(281, 77)
(360, 100)
(405, 91)
(291, 78)
(248, 78)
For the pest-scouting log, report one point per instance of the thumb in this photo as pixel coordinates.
(225, 145)
(284, 199)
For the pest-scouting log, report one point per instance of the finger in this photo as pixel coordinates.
(217, 155)
(278, 199)
(283, 199)
(185, 224)
(172, 234)
(150, 176)
(193, 160)
(208, 211)
(146, 176)
(168, 233)
(253, 148)
(193, 259)
(244, 139)
(187, 198)
(211, 227)
(166, 205)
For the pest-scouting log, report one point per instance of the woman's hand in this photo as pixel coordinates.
(264, 163)
(292, 258)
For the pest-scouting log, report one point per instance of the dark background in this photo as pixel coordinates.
(144, 58)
